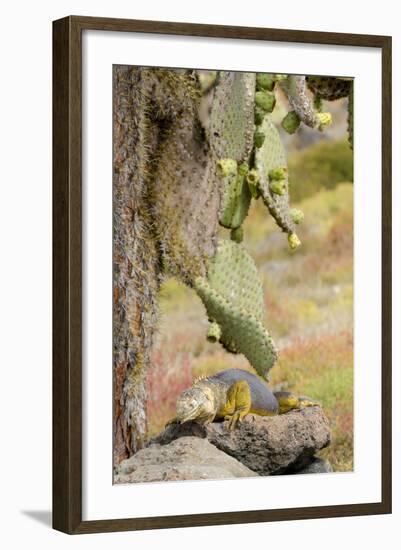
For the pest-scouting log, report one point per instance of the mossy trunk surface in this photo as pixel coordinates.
(164, 220)
(135, 270)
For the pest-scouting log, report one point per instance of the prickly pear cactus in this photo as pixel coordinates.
(295, 88)
(271, 164)
(185, 197)
(304, 107)
(231, 117)
(231, 141)
(178, 174)
(233, 296)
(329, 88)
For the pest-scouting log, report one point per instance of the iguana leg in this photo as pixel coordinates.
(288, 401)
(238, 403)
(307, 402)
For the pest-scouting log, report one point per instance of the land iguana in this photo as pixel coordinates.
(230, 395)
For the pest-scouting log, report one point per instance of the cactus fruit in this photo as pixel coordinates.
(291, 122)
(265, 100)
(252, 178)
(293, 241)
(324, 120)
(278, 180)
(270, 160)
(278, 187)
(258, 138)
(227, 168)
(213, 333)
(297, 215)
(278, 174)
(233, 297)
(264, 81)
(329, 88)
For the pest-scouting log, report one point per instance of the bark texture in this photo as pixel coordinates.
(136, 263)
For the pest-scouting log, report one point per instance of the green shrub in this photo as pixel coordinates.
(322, 165)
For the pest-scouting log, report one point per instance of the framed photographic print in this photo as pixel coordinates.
(222, 275)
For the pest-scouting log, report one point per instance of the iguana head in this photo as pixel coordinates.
(193, 404)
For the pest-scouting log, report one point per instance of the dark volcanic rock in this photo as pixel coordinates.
(316, 466)
(266, 445)
(183, 459)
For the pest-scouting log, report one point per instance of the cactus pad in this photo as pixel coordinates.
(329, 88)
(233, 297)
(236, 195)
(231, 117)
(270, 160)
(296, 91)
(231, 135)
(185, 199)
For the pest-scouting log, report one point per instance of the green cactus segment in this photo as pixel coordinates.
(351, 116)
(233, 297)
(271, 164)
(231, 137)
(231, 118)
(236, 195)
(328, 87)
(291, 122)
(184, 199)
(296, 90)
(233, 274)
